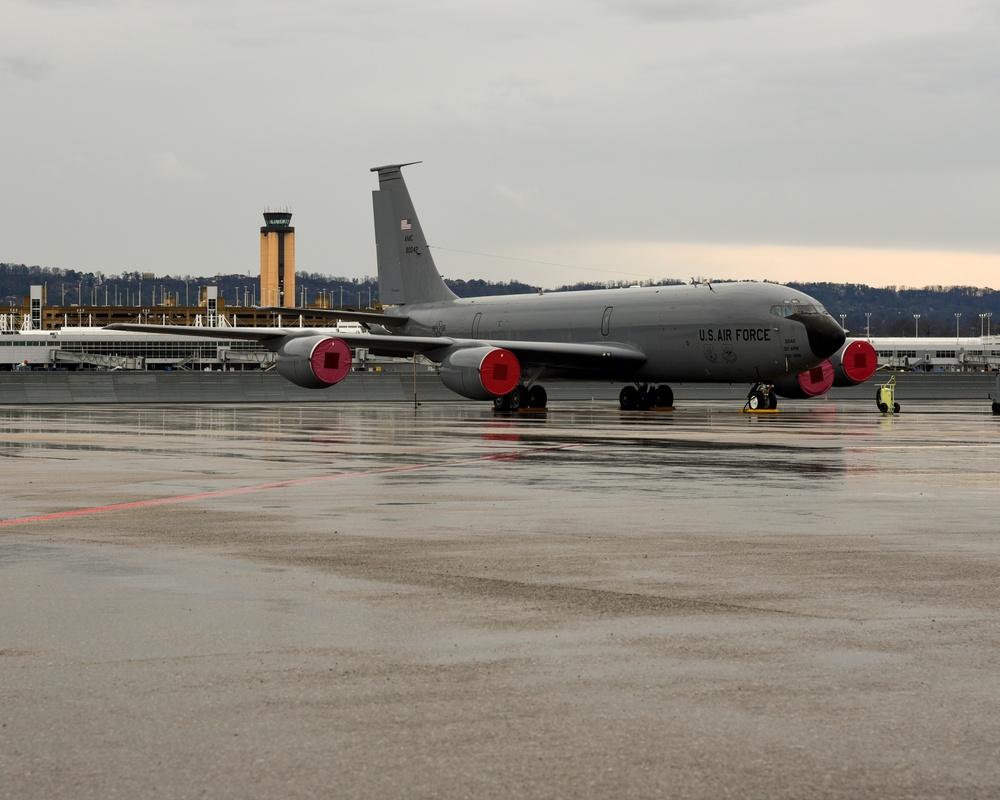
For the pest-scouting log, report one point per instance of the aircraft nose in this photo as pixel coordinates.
(826, 337)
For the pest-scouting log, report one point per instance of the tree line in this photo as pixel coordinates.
(884, 311)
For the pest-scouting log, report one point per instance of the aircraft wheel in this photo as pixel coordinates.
(518, 398)
(537, 397)
(664, 396)
(628, 398)
(645, 401)
(501, 403)
(772, 401)
(756, 401)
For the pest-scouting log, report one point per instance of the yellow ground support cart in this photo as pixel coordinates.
(885, 396)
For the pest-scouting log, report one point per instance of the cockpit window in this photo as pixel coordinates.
(790, 307)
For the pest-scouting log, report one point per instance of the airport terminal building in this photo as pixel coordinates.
(46, 338)
(939, 354)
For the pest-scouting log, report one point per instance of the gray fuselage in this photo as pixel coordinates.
(727, 332)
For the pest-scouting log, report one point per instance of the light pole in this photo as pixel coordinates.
(958, 317)
(982, 324)
(916, 326)
(843, 318)
(989, 314)
(868, 324)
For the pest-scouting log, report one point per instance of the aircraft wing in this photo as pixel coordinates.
(385, 345)
(601, 358)
(604, 357)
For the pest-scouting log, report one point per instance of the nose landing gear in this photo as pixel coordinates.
(761, 398)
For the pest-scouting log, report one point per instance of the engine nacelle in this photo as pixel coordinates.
(314, 362)
(811, 383)
(852, 364)
(480, 373)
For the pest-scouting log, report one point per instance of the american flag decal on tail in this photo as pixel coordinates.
(404, 225)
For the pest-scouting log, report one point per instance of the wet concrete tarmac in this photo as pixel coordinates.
(314, 601)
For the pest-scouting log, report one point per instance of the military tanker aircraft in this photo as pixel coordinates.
(500, 349)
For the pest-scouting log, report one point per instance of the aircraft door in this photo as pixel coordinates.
(606, 321)
(475, 325)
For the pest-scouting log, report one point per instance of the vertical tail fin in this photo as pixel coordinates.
(406, 271)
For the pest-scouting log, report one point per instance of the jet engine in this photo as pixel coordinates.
(480, 373)
(314, 362)
(811, 383)
(852, 364)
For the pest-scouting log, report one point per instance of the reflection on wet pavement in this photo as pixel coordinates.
(265, 600)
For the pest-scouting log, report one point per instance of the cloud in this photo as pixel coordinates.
(32, 69)
(533, 205)
(702, 10)
(169, 168)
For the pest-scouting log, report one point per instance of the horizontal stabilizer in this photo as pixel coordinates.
(250, 334)
(364, 317)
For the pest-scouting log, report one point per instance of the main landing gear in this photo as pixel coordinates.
(643, 398)
(761, 398)
(522, 398)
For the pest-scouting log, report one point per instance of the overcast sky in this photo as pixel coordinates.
(562, 140)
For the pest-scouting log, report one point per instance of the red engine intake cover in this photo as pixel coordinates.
(331, 361)
(816, 381)
(499, 372)
(858, 361)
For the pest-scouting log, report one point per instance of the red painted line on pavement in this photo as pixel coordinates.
(283, 484)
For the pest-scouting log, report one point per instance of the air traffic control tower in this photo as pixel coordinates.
(277, 260)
